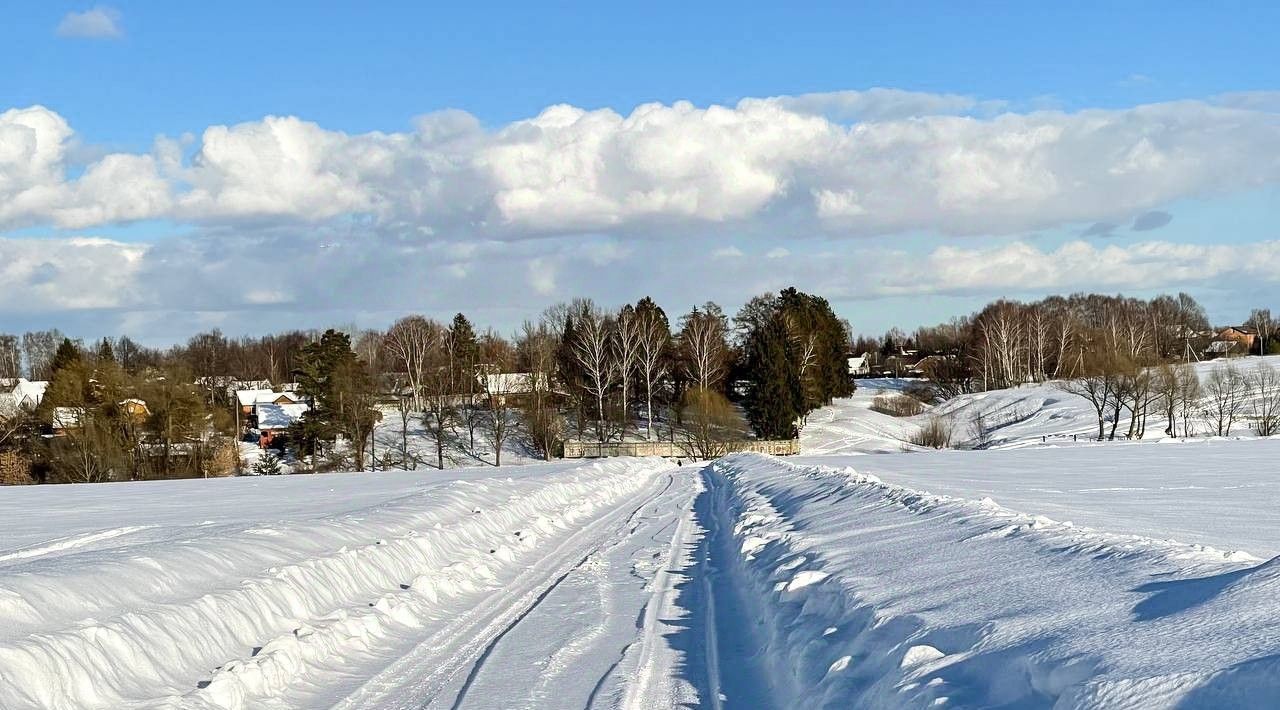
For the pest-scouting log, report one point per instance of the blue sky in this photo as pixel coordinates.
(1187, 93)
(183, 66)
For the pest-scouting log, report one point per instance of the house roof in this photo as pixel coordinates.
(248, 398)
(67, 417)
(27, 393)
(278, 416)
(508, 382)
(1222, 346)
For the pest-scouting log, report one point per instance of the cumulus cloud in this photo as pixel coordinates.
(1078, 264)
(34, 188)
(165, 291)
(756, 167)
(883, 104)
(69, 274)
(100, 22)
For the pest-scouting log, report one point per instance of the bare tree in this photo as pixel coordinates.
(1189, 394)
(1097, 384)
(498, 383)
(39, 347)
(537, 356)
(702, 337)
(1264, 403)
(1226, 390)
(439, 405)
(655, 338)
(629, 332)
(980, 429)
(10, 356)
(1260, 319)
(410, 342)
(1165, 387)
(712, 423)
(593, 349)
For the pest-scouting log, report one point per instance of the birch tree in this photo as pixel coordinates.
(593, 350)
(410, 341)
(702, 337)
(655, 340)
(626, 348)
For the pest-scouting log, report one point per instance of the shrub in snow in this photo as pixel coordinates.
(899, 405)
(936, 433)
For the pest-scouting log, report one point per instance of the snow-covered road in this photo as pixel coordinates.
(750, 582)
(521, 590)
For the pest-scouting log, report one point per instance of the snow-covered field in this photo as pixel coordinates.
(1042, 573)
(1029, 415)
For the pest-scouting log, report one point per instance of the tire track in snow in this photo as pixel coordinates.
(422, 677)
(73, 542)
(624, 532)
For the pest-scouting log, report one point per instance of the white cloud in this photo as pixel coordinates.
(69, 274)
(1020, 267)
(759, 166)
(100, 22)
(542, 276)
(882, 104)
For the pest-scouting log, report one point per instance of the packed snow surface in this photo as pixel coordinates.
(1048, 573)
(484, 588)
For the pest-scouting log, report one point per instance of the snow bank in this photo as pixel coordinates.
(232, 615)
(875, 595)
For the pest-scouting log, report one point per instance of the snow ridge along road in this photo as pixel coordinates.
(871, 595)
(328, 610)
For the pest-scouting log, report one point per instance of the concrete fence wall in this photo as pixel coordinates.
(672, 449)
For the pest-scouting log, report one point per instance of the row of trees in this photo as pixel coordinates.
(115, 425)
(1008, 342)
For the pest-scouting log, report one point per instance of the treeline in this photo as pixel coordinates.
(577, 371)
(1009, 342)
(1126, 356)
(98, 421)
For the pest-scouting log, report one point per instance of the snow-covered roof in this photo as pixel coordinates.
(26, 393)
(508, 382)
(248, 398)
(67, 417)
(278, 416)
(1222, 346)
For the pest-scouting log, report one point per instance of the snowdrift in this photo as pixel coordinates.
(873, 595)
(234, 614)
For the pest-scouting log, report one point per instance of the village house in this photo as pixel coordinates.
(511, 386)
(1232, 341)
(19, 393)
(249, 399)
(274, 419)
(859, 366)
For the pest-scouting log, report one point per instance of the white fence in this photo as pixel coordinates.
(674, 449)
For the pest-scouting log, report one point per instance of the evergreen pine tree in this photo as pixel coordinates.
(267, 465)
(775, 399)
(68, 355)
(106, 353)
